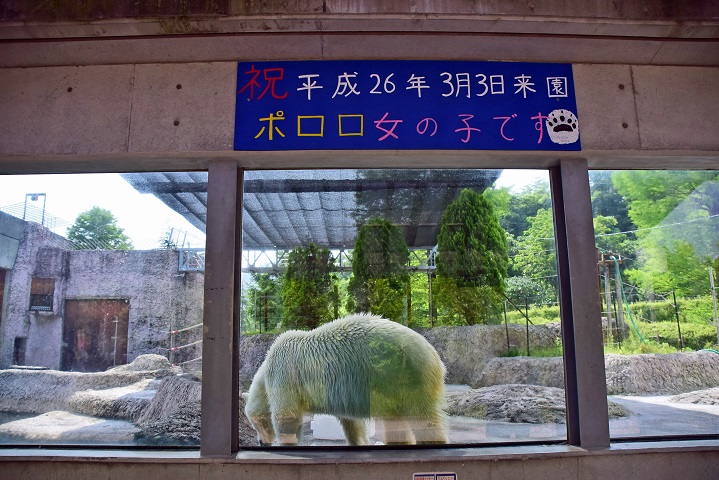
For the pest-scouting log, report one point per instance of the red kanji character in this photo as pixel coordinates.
(252, 83)
(271, 75)
(272, 80)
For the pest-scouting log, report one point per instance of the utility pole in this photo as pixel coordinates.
(620, 297)
(607, 260)
(608, 296)
(714, 300)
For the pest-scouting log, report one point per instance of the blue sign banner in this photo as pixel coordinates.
(405, 105)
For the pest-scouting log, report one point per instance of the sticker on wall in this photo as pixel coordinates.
(563, 127)
(405, 105)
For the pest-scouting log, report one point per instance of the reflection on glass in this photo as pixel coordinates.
(428, 270)
(657, 234)
(99, 328)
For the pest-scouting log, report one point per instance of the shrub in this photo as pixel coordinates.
(472, 259)
(380, 280)
(307, 291)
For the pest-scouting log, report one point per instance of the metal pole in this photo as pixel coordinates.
(114, 350)
(429, 291)
(44, 201)
(506, 327)
(172, 341)
(264, 310)
(608, 299)
(526, 316)
(620, 303)
(714, 301)
(679, 328)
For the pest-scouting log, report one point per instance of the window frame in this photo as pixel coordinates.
(45, 284)
(583, 350)
(585, 392)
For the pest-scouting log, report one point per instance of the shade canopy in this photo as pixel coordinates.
(287, 208)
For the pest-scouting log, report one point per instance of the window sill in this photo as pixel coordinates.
(373, 456)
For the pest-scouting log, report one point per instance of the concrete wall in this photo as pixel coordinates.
(160, 297)
(693, 460)
(139, 108)
(17, 320)
(11, 230)
(39, 10)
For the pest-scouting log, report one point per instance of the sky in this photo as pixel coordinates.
(516, 179)
(144, 218)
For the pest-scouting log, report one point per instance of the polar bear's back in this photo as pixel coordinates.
(360, 365)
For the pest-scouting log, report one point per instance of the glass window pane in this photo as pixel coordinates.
(458, 266)
(657, 234)
(110, 266)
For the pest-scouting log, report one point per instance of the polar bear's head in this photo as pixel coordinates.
(257, 410)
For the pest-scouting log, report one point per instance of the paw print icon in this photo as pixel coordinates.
(563, 126)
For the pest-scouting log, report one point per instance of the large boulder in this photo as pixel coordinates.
(466, 350)
(40, 391)
(545, 371)
(656, 374)
(646, 374)
(710, 396)
(173, 416)
(515, 404)
(252, 353)
(126, 403)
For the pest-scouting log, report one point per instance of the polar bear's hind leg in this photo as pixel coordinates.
(430, 430)
(355, 431)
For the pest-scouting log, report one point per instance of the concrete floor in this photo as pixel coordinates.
(649, 417)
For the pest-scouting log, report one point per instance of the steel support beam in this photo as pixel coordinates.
(585, 382)
(220, 364)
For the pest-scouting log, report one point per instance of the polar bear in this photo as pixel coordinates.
(357, 367)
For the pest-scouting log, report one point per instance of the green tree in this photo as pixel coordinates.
(653, 195)
(677, 213)
(536, 256)
(308, 295)
(607, 202)
(472, 259)
(610, 238)
(379, 270)
(515, 210)
(97, 229)
(263, 302)
(525, 205)
(536, 259)
(520, 289)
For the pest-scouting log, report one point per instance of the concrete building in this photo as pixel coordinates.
(114, 305)
(145, 87)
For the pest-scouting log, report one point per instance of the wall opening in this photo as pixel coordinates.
(19, 349)
(95, 334)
